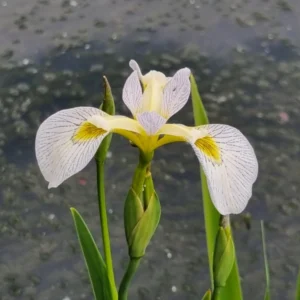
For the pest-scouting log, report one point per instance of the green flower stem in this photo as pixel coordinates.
(137, 186)
(217, 293)
(104, 225)
(131, 269)
(140, 173)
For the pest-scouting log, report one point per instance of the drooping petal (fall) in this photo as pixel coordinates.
(228, 161)
(176, 93)
(68, 140)
(230, 165)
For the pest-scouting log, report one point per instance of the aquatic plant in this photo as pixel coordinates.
(69, 139)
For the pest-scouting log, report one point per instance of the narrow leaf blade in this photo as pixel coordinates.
(200, 115)
(93, 259)
(298, 287)
(212, 216)
(232, 290)
(267, 271)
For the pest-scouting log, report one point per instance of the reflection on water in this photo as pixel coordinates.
(248, 74)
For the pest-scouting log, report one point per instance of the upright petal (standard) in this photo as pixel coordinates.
(132, 93)
(160, 98)
(176, 93)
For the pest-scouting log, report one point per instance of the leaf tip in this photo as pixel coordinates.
(73, 211)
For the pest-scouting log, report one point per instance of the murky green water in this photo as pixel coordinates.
(245, 55)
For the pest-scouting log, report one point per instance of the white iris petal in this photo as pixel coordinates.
(69, 139)
(230, 182)
(135, 67)
(58, 155)
(228, 161)
(176, 93)
(132, 93)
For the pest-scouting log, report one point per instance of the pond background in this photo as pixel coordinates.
(53, 54)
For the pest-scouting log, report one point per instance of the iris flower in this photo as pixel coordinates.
(68, 140)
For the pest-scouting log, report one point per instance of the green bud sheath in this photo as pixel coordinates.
(133, 212)
(224, 256)
(141, 218)
(108, 106)
(145, 228)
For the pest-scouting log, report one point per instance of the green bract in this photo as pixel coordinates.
(224, 257)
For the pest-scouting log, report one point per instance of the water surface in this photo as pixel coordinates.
(53, 54)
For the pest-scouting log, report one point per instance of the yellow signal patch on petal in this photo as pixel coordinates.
(209, 147)
(87, 131)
